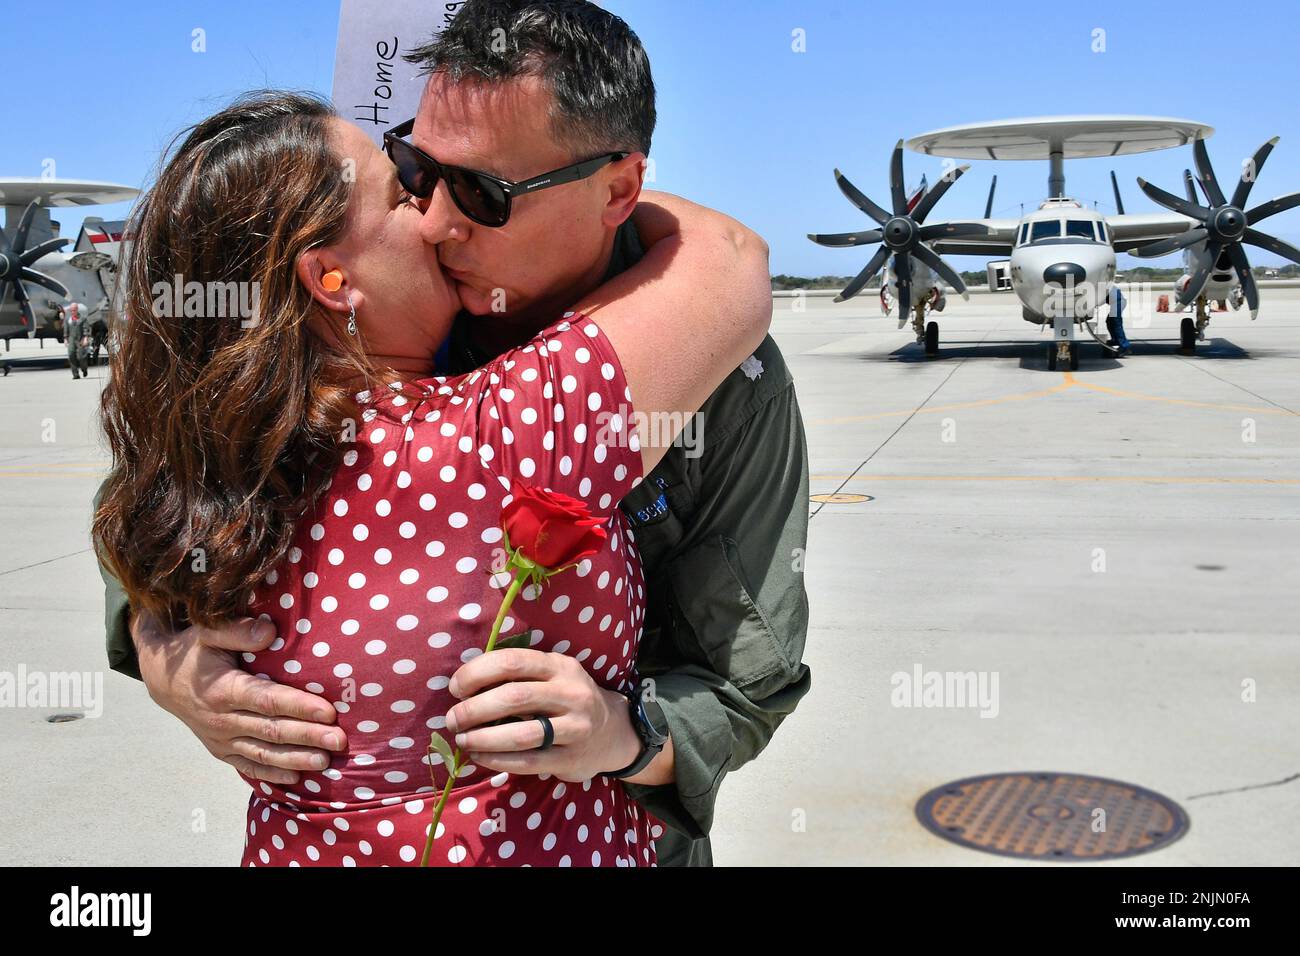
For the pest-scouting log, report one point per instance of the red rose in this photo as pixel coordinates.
(551, 529)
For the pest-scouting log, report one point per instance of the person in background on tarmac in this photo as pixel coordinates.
(76, 334)
(1115, 320)
(98, 336)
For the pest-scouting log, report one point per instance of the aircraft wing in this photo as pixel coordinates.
(1129, 231)
(1001, 237)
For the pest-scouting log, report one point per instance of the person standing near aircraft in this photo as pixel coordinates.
(98, 337)
(1115, 319)
(76, 334)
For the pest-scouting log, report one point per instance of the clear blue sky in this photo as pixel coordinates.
(745, 123)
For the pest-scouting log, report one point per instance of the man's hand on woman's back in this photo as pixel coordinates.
(263, 729)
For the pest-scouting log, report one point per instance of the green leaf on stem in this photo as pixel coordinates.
(522, 639)
(439, 744)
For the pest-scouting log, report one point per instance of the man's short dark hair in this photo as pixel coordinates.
(590, 59)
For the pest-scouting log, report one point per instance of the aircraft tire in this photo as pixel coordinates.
(932, 338)
(1188, 337)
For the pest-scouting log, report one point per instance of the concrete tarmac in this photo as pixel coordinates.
(1117, 544)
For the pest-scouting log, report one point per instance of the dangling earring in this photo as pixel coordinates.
(352, 316)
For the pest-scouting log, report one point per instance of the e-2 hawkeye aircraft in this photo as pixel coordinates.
(1061, 256)
(36, 277)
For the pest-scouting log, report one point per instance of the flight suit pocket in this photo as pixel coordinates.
(655, 514)
(714, 599)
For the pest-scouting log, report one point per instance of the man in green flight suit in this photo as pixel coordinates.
(76, 335)
(721, 523)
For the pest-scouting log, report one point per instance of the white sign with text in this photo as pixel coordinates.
(373, 86)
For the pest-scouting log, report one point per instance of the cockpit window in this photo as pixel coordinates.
(1080, 228)
(1045, 229)
(1101, 231)
(1024, 232)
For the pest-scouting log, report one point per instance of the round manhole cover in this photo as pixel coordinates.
(1052, 816)
(841, 498)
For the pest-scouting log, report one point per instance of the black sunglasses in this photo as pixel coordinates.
(484, 198)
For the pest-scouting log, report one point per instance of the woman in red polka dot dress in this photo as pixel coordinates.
(390, 580)
(391, 589)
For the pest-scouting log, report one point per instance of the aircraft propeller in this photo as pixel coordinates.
(902, 234)
(1223, 224)
(15, 262)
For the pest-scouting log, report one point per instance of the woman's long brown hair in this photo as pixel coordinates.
(224, 429)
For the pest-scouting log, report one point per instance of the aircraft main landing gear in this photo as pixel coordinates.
(1193, 331)
(926, 333)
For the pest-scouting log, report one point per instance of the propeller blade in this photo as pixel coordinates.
(41, 279)
(988, 206)
(1242, 265)
(1262, 211)
(858, 199)
(1119, 203)
(903, 279)
(44, 249)
(1170, 201)
(1272, 244)
(1251, 173)
(934, 195)
(931, 259)
(1197, 282)
(1188, 187)
(951, 230)
(871, 268)
(1206, 172)
(839, 240)
(896, 191)
(4, 241)
(25, 225)
(25, 306)
(1162, 247)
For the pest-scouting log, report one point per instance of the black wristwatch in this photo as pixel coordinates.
(651, 726)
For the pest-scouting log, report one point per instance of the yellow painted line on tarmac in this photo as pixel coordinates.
(1121, 393)
(1068, 381)
(53, 469)
(932, 409)
(1122, 479)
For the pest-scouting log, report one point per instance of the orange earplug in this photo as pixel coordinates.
(332, 280)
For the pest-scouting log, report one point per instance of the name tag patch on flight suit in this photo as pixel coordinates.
(654, 511)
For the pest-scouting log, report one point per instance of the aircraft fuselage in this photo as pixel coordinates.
(1062, 262)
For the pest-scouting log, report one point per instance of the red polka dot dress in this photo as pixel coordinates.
(390, 587)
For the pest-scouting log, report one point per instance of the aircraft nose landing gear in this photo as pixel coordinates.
(1063, 351)
(1063, 355)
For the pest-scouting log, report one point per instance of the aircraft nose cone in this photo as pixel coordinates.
(1065, 273)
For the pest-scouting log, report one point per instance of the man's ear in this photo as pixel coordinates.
(311, 266)
(624, 188)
